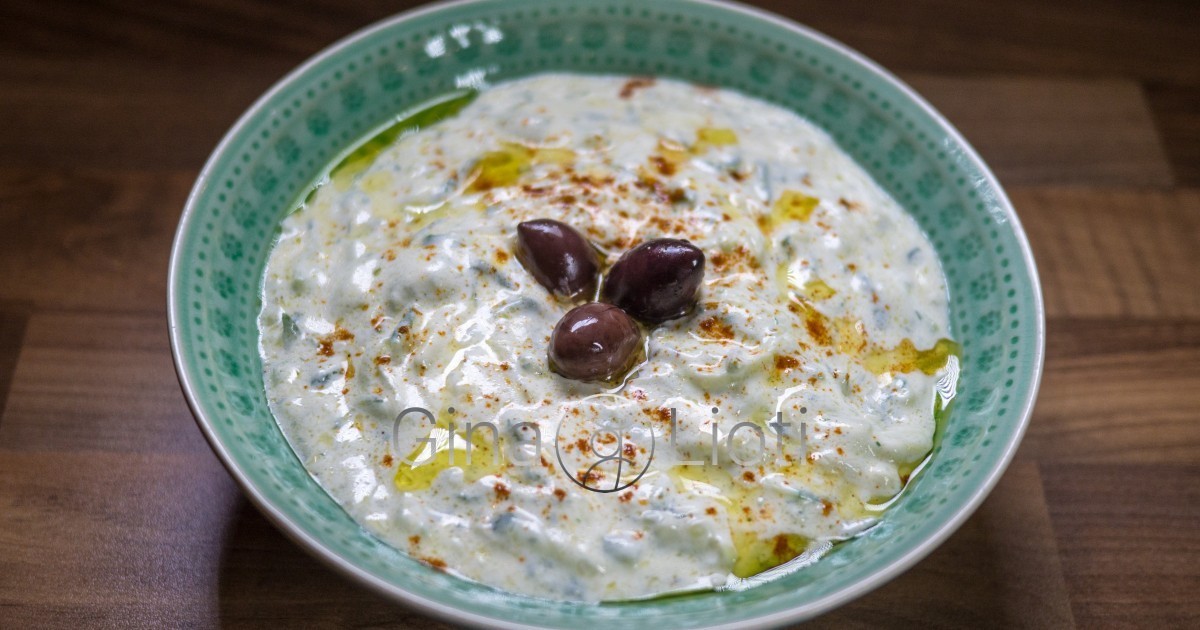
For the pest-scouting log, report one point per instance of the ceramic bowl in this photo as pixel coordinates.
(290, 134)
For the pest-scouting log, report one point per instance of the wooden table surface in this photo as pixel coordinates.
(114, 512)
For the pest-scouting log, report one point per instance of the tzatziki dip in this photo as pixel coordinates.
(602, 338)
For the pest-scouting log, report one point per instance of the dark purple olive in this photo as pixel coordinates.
(559, 257)
(657, 280)
(594, 342)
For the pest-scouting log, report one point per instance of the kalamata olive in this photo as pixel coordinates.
(657, 280)
(594, 342)
(559, 257)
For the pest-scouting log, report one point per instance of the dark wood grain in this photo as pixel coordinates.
(114, 513)
(78, 238)
(97, 381)
(1118, 392)
(1100, 130)
(104, 114)
(112, 539)
(1128, 541)
(13, 317)
(1114, 252)
(1177, 110)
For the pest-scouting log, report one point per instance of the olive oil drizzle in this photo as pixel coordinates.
(354, 161)
(362, 156)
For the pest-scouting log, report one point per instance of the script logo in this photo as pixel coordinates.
(620, 453)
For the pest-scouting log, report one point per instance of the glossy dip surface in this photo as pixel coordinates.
(395, 285)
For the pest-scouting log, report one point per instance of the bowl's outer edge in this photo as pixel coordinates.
(807, 611)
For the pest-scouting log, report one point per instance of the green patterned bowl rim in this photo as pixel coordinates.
(983, 180)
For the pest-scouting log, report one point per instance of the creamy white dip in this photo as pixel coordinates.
(395, 286)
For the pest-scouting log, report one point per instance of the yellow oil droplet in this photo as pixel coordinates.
(815, 322)
(705, 480)
(553, 155)
(751, 555)
(418, 220)
(851, 336)
(669, 157)
(755, 555)
(793, 206)
(376, 182)
(905, 357)
(816, 290)
(673, 151)
(709, 137)
(448, 451)
(504, 166)
(848, 336)
(790, 206)
(782, 365)
(500, 168)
